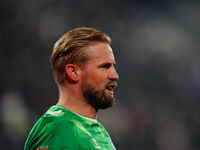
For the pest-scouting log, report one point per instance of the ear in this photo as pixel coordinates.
(72, 72)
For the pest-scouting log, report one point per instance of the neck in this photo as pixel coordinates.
(75, 102)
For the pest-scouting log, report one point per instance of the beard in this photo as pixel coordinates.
(98, 99)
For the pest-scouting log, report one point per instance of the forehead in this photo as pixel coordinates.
(100, 51)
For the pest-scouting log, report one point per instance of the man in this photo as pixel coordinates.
(84, 70)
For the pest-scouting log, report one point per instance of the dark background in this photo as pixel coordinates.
(156, 44)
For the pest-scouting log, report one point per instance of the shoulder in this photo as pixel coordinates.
(53, 128)
(56, 121)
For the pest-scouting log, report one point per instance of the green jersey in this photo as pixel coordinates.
(61, 129)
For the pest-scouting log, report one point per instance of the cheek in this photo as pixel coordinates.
(99, 77)
(95, 78)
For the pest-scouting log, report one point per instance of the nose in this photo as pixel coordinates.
(113, 75)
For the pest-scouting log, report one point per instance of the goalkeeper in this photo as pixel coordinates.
(83, 67)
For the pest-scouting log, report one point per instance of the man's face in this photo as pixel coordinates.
(99, 77)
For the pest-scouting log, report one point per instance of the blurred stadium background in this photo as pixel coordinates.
(156, 43)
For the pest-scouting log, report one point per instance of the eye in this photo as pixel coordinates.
(106, 65)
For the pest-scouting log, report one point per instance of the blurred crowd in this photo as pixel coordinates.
(156, 44)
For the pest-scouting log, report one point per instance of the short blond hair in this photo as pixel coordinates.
(69, 49)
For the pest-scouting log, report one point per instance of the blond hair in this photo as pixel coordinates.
(70, 49)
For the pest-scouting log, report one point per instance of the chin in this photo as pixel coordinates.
(99, 99)
(106, 102)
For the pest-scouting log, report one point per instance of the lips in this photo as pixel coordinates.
(112, 86)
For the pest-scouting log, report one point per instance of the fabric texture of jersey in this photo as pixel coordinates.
(61, 129)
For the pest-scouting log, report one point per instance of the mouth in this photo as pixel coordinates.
(111, 87)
